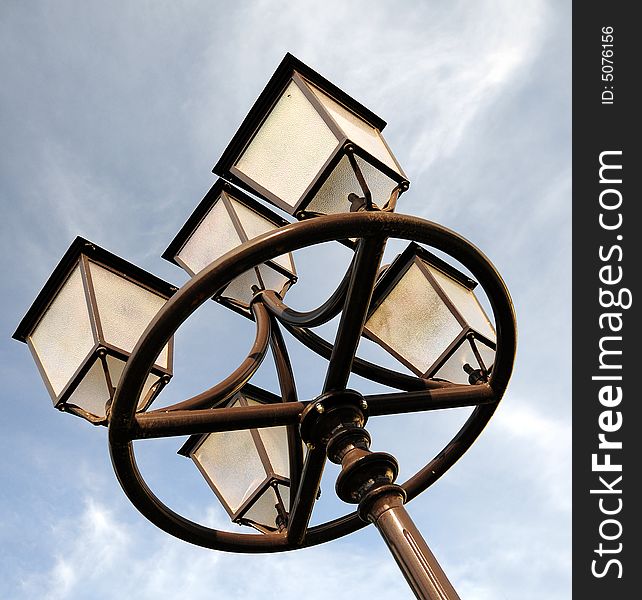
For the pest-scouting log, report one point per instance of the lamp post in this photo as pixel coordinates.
(312, 150)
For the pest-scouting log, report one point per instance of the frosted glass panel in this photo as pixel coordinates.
(272, 279)
(232, 462)
(414, 321)
(332, 196)
(125, 309)
(290, 148)
(286, 261)
(264, 511)
(255, 225)
(466, 302)
(116, 368)
(92, 393)
(453, 368)
(356, 129)
(240, 289)
(63, 337)
(214, 236)
(284, 492)
(275, 440)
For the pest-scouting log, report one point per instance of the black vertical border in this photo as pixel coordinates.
(601, 127)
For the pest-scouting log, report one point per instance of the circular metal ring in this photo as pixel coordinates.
(205, 284)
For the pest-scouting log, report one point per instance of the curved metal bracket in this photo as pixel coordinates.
(223, 391)
(313, 318)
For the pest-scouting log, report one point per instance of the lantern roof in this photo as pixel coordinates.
(80, 246)
(271, 93)
(398, 267)
(203, 208)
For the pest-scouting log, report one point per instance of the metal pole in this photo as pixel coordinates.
(362, 280)
(411, 552)
(336, 421)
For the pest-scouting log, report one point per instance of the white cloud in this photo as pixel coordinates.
(101, 556)
(442, 64)
(87, 549)
(544, 446)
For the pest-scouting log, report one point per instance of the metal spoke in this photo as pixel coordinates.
(454, 396)
(188, 422)
(306, 495)
(353, 317)
(361, 283)
(288, 395)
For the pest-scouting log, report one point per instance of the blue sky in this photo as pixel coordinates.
(112, 115)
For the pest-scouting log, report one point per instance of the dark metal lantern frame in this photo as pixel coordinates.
(353, 300)
(417, 255)
(81, 254)
(292, 69)
(221, 191)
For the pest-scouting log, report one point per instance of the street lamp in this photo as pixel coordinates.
(425, 313)
(255, 491)
(310, 149)
(85, 323)
(224, 219)
(248, 443)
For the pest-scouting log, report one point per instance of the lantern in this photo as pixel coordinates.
(425, 313)
(224, 219)
(247, 469)
(309, 148)
(84, 324)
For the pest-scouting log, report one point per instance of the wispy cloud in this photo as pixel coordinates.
(545, 443)
(88, 549)
(101, 556)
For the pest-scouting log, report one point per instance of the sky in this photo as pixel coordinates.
(112, 116)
